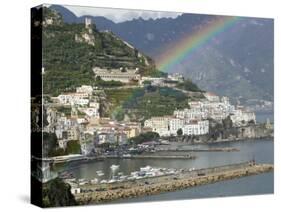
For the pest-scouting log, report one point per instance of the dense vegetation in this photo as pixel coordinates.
(143, 103)
(144, 137)
(188, 85)
(51, 148)
(57, 193)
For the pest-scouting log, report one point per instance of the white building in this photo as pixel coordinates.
(122, 75)
(175, 124)
(212, 97)
(75, 190)
(242, 117)
(106, 137)
(196, 128)
(85, 89)
(155, 81)
(91, 112)
(176, 77)
(159, 125)
(168, 125)
(191, 114)
(88, 22)
(80, 98)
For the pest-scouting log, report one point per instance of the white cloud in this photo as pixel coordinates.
(120, 15)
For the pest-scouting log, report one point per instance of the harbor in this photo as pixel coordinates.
(98, 174)
(165, 182)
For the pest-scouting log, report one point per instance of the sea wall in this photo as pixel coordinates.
(172, 184)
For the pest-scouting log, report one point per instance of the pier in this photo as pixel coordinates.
(222, 149)
(185, 179)
(153, 157)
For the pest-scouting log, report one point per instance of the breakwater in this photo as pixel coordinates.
(156, 185)
(150, 156)
(222, 149)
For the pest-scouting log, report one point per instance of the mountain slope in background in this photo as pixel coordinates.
(238, 62)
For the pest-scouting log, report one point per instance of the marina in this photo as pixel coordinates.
(166, 180)
(137, 171)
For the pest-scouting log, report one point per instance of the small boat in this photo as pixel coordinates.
(114, 167)
(112, 181)
(94, 181)
(100, 173)
(145, 169)
(123, 177)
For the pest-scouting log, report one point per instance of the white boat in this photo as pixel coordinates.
(94, 181)
(123, 177)
(112, 181)
(114, 167)
(134, 174)
(145, 169)
(100, 173)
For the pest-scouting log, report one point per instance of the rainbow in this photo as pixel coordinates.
(184, 47)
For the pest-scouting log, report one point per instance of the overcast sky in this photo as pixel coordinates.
(119, 15)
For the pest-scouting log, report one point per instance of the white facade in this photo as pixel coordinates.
(212, 97)
(196, 128)
(92, 112)
(124, 76)
(191, 114)
(166, 126)
(240, 117)
(74, 99)
(88, 22)
(156, 81)
(175, 124)
(106, 137)
(176, 77)
(85, 89)
(159, 125)
(75, 190)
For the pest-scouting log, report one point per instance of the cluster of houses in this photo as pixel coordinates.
(75, 117)
(195, 120)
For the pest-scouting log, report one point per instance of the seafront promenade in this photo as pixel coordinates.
(184, 179)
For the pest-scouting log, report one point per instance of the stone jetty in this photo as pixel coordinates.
(185, 179)
(154, 156)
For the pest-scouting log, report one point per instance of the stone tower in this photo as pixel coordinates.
(88, 23)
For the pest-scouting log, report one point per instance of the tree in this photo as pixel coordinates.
(57, 193)
(143, 137)
(251, 122)
(98, 78)
(188, 85)
(179, 132)
(227, 122)
(49, 144)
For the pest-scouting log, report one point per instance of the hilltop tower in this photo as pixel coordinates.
(88, 23)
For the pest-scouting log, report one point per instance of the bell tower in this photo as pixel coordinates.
(88, 23)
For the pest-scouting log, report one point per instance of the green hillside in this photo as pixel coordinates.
(68, 61)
